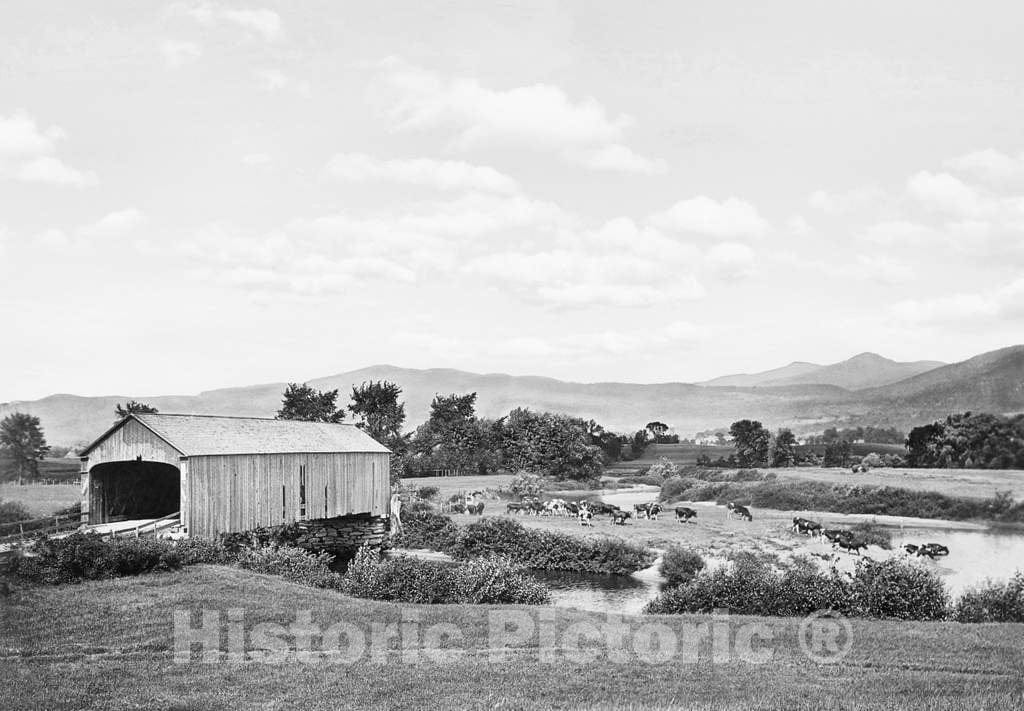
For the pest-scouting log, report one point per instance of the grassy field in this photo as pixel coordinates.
(449, 485)
(42, 499)
(968, 483)
(108, 645)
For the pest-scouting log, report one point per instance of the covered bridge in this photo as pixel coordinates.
(228, 474)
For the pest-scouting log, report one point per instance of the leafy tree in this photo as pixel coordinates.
(380, 413)
(133, 407)
(837, 454)
(301, 402)
(22, 443)
(752, 441)
(543, 442)
(783, 449)
(657, 430)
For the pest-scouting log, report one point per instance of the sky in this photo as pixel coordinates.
(207, 194)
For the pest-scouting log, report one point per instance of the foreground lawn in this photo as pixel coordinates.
(109, 645)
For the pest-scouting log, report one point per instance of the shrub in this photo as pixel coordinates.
(992, 601)
(82, 556)
(898, 589)
(199, 550)
(294, 564)
(428, 492)
(13, 511)
(526, 485)
(549, 550)
(285, 535)
(427, 529)
(749, 587)
(404, 579)
(679, 565)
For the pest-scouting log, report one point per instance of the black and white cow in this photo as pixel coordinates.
(684, 514)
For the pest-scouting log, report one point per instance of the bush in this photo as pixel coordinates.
(199, 550)
(526, 485)
(428, 492)
(679, 565)
(898, 589)
(13, 511)
(82, 556)
(992, 602)
(749, 587)
(427, 529)
(549, 550)
(293, 564)
(404, 579)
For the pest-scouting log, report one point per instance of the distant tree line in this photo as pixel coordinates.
(968, 440)
(874, 435)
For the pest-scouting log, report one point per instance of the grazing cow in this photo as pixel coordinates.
(648, 510)
(803, 525)
(742, 511)
(684, 514)
(535, 507)
(851, 545)
(933, 550)
(834, 535)
(911, 548)
(514, 507)
(572, 508)
(619, 517)
(585, 517)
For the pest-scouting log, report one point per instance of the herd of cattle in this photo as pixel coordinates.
(847, 540)
(585, 511)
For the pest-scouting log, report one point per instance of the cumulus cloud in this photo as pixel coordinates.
(438, 174)
(178, 53)
(990, 165)
(20, 136)
(946, 193)
(541, 116)
(898, 232)
(839, 203)
(884, 270)
(725, 219)
(115, 224)
(261, 22)
(731, 260)
(54, 171)
(616, 157)
(1004, 303)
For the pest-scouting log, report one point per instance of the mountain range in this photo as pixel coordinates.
(866, 389)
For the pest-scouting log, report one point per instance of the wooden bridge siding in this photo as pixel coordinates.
(229, 493)
(126, 444)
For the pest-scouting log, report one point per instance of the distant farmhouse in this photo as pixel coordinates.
(231, 474)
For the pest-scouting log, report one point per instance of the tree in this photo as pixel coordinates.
(133, 408)
(301, 402)
(837, 454)
(783, 449)
(657, 430)
(380, 413)
(543, 442)
(752, 441)
(23, 443)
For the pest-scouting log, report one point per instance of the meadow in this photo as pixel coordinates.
(42, 499)
(109, 645)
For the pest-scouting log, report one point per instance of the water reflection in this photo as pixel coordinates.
(621, 594)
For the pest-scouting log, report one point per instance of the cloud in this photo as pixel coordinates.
(540, 116)
(20, 136)
(262, 22)
(990, 165)
(178, 53)
(729, 218)
(731, 260)
(899, 232)
(844, 202)
(945, 193)
(616, 157)
(1003, 303)
(115, 224)
(884, 270)
(51, 170)
(256, 158)
(441, 175)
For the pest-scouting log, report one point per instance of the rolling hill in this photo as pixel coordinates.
(866, 370)
(992, 382)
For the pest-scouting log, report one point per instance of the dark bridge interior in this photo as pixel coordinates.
(120, 491)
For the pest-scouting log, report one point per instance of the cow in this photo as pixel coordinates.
(911, 548)
(851, 545)
(585, 517)
(619, 517)
(803, 525)
(684, 514)
(742, 511)
(834, 535)
(514, 507)
(475, 508)
(600, 507)
(572, 508)
(933, 550)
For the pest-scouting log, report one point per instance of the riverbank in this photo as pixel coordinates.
(65, 648)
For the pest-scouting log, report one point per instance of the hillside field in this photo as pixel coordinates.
(109, 645)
